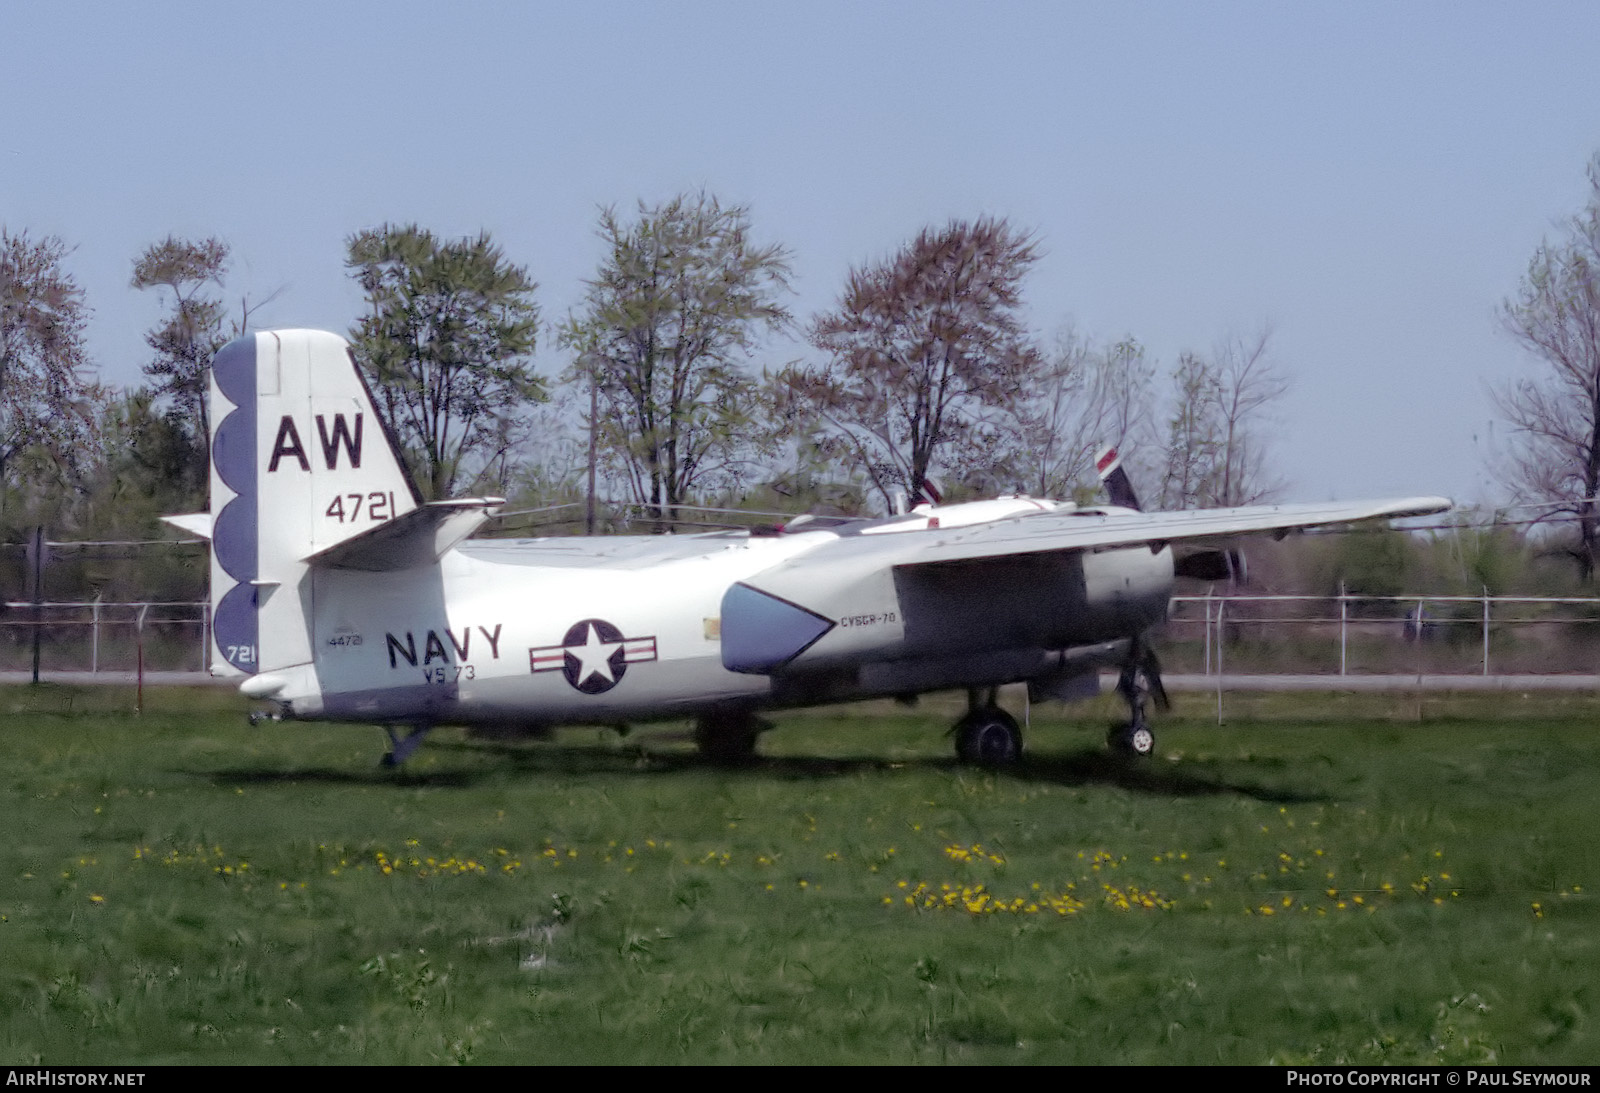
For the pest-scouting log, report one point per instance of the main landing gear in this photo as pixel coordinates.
(1140, 681)
(728, 737)
(987, 735)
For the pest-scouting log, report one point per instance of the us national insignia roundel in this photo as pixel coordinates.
(593, 656)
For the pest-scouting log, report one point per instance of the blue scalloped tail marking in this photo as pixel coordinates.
(235, 543)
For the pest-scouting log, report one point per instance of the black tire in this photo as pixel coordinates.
(728, 740)
(988, 737)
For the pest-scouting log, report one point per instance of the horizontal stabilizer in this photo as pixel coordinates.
(418, 538)
(194, 523)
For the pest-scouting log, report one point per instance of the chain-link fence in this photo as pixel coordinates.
(105, 637)
(1236, 634)
(1359, 635)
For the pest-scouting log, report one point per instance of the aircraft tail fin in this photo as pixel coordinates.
(1115, 479)
(301, 462)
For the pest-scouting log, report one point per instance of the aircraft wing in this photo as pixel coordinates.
(1093, 530)
(886, 595)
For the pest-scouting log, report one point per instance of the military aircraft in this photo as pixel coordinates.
(340, 595)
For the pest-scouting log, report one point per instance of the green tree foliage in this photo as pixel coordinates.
(148, 464)
(1492, 559)
(666, 333)
(447, 344)
(46, 412)
(1371, 563)
(807, 481)
(1554, 453)
(190, 335)
(929, 360)
(146, 467)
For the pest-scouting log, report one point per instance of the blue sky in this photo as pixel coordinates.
(1371, 179)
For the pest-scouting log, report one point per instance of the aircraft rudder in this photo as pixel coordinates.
(301, 461)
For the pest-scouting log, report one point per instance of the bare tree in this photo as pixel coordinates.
(928, 359)
(1085, 398)
(1249, 384)
(1191, 449)
(1216, 454)
(1554, 451)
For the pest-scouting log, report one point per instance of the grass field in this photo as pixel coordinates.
(1366, 879)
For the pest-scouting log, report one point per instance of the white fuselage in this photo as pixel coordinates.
(563, 631)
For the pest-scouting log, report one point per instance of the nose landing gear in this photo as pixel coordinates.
(1139, 682)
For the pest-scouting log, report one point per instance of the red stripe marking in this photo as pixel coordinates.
(547, 659)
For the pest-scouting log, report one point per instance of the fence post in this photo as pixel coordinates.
(1485, 629)
(1344, 618)
(36, 563)
(94, 636)
(1211, 591)
(1220, 605)
(1418, 661)
(138, 626)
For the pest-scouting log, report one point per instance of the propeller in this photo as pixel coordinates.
(1212, 565)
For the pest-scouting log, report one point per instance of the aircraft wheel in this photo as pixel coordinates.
(728, 739)
(1133, 739)
(988, 737)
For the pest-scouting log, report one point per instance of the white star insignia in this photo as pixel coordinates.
(594, 657)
